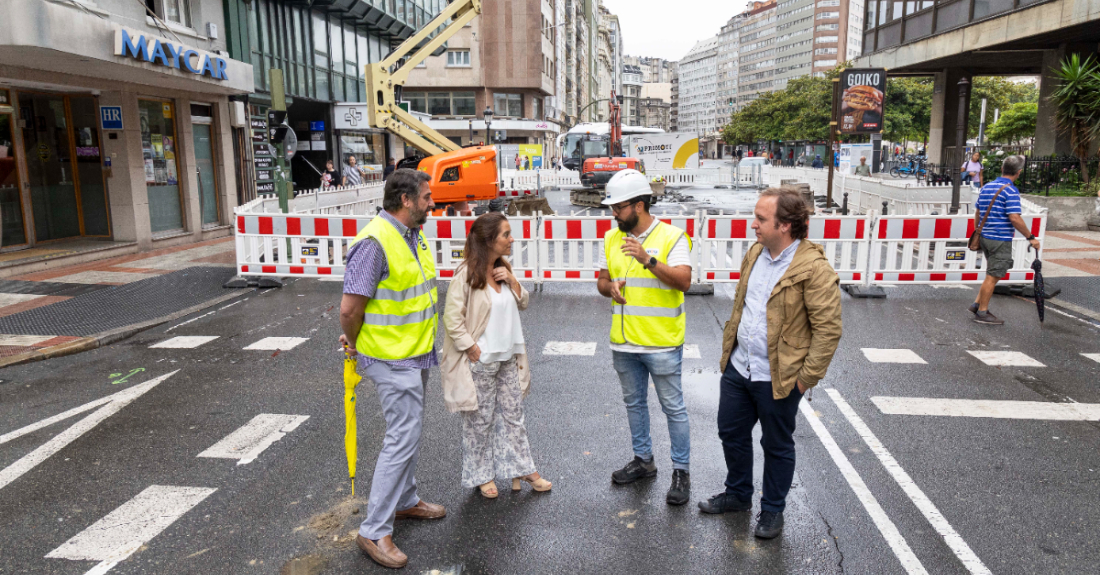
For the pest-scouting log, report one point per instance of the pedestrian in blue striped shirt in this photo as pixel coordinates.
(1003, 222)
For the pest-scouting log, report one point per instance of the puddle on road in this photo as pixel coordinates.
(304, 565)
(701, 384)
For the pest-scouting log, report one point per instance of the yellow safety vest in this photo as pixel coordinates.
(400, 320)
(654, 312)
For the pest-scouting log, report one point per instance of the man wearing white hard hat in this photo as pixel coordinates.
(645, 268)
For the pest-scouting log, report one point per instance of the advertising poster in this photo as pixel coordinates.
(150, 172)
(850, 154)
(169, 151)
(861, 100)
(530, 156)
(158, 146)
(171, 173)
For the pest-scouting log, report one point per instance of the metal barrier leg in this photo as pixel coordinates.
(866, 290)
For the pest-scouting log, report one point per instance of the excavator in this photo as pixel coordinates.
(603, 158)
(460, 176)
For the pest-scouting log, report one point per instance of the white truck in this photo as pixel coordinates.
(663, 152)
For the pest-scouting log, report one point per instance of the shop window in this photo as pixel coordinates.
(417, 101)
(159, 147)
(439, 103)
(463, 103)
(458, 58)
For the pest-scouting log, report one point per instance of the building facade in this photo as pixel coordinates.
(698, 73)
(504, 61)
(632, 90)
(654, 70)
(674, 108)
(728, 68)
(654, 113)
(756, 52)
(117, 127)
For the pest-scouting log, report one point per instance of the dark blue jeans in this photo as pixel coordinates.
(742, 403)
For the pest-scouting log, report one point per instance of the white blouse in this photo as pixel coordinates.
(503, 337)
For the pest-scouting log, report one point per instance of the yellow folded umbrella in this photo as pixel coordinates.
(351, 443)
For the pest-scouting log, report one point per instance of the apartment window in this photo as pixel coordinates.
(178, 11)
(827, 15)
(824, 51)
(536, 107)
(829, 27)
(819, 63)
(458, 58)
(441, 103)
(825, 40)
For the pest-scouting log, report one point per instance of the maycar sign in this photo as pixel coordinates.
(147, 48)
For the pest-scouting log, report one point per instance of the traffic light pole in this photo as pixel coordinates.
(278, 103)
(832, 142)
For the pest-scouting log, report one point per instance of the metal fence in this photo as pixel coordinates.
(1058, 175)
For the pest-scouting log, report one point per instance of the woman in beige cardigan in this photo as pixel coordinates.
(484, 361)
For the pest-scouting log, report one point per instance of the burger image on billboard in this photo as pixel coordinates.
(861, 101)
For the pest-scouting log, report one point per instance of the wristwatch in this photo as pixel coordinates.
(652, 262)
(1031, 237)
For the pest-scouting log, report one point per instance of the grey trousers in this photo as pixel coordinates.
(494, 438)
(393, 488)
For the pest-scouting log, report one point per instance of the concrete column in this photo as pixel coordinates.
(945, 114)
(185, 159)
(1048, 140)
(127, 195)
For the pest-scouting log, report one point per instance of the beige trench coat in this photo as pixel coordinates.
(463, 326)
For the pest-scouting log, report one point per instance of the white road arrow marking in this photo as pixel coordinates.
(252, 438)
(123, 531)
(954, 541)
(997, 409)
(113, 403)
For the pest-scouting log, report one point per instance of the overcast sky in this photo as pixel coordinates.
(669, 28)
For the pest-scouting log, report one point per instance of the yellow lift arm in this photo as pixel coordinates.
(382, 109)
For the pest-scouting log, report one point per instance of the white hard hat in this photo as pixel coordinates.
(626, 185)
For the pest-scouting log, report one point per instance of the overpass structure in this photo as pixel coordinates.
(953, 40)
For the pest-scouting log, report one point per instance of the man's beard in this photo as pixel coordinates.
(626, 226)
(419, 217)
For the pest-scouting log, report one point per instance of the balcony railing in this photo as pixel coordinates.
(901, 22)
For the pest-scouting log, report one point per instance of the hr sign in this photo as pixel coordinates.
(110, 117)
(147, 48)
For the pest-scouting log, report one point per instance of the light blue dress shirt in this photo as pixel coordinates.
(750, 357)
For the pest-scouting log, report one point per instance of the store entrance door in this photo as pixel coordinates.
(64, 168)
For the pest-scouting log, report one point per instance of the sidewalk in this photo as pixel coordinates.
(65, 310)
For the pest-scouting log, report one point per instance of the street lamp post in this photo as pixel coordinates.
(471, 131)
(487, 115)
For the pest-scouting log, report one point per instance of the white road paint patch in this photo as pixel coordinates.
(952, 287)
(570, 348)
(46, 450)
(24, 340)
(252, 438)
(277, 343)
(184, 342)
(889, 531)
(951, 537)
(331, 279)
(989, 408)
(7, 299)
(190, 320)
(1093, 356)
(1005, 358)
(892, 355)
(123, 531)
(691, 351)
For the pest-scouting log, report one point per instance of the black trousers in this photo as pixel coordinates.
(743, 403)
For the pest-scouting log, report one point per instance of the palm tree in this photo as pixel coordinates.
(1077, 105)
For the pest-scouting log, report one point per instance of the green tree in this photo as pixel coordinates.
(1015, 123)
(1077, 105)
(1000, 93)
(908, 109)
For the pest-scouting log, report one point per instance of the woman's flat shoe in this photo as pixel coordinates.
(489, 490)
(539, 484)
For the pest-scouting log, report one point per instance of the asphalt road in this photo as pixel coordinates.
(942, 495)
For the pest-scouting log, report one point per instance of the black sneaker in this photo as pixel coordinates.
(988, 318)
(680, 491)
(973, 308)
(724, 503)
(769, 524)
(635, 470)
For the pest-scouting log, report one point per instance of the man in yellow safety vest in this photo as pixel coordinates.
(645, 268)
(388, 313)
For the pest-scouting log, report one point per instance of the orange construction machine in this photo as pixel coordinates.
(603, 159)
(461, 178)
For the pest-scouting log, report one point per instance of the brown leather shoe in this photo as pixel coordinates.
(384, 553)
(423, 510)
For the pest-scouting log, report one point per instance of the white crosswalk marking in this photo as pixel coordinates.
(46, 450)
(1093, 356)
(277, 343)
(251, 439)
(184, 342)
(123, 531)
(570, 348)
(892, 355)
(691, 351)
(999, 409)
(1005, 358)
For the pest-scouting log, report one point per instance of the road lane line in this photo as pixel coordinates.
(892, 355)
(569, 348)
(52, 420)
(277, 344)
(889, 531)
(190, 320)
(955, 541)
(1093, 356)
(991, 408)
(1005, 358)
(252, 438)
(48, 449)
(126, 529)
(184, 342)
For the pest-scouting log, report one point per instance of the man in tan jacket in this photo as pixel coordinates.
(781, 337)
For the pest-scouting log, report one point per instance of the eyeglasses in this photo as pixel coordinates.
(616, 208)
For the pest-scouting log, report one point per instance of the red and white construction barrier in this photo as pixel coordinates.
(570, 246)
